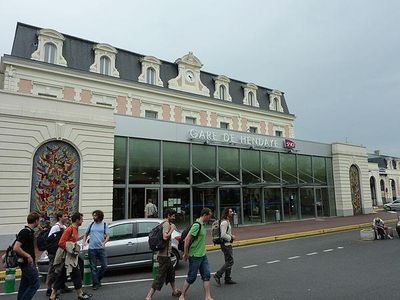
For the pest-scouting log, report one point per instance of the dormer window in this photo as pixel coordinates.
(150, 71)
(50, 45)
(50, 51)
(104, 60)
(250, 95)
(222, 88)
(275, 102)
(105, 64)
(151, 76)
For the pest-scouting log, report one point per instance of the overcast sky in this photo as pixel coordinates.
(338, 62)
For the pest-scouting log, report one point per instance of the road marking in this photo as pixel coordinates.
(251, 266)
(273, 261)
(294, 257)
(328, 250)
(340, 247)
(312, 253)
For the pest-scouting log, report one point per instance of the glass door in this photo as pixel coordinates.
(138, 198)
(291, 204)
(151, 195)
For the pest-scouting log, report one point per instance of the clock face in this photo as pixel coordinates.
(189, 76)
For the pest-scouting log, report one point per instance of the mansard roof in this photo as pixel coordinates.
(79, 55)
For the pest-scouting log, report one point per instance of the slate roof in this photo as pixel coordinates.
(79, 55)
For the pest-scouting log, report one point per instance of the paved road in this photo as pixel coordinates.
(335, 266)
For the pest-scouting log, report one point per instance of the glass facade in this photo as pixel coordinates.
(259, 185)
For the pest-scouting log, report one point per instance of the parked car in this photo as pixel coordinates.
(128, 246)
(395, 205)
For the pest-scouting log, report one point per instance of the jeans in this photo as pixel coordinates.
(198, 264)
(29, 282)
(94, 256)
(227, 267)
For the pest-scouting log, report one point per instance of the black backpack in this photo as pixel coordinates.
(52, 241)
(11, 258)
(41, 240)
(156, 238)
(181, 244)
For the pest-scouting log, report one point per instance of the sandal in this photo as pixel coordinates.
(176, 293)
(85, 296)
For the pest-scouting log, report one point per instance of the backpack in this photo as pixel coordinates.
(216, 232)
(10, 258)
(41, 240)
(52, 241)
(181, 243)
(156, 238)
(90, 228)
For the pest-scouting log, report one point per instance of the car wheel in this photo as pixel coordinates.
(175, 258)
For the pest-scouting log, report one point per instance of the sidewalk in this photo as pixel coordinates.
(261, 233)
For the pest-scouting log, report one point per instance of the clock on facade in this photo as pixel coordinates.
(189, 76)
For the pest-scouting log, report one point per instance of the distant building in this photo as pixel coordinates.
(85, 125)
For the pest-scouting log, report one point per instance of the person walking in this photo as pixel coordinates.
(226, 246)
(24, 247)
(166, 273)
(150, 210)
(59, 227)
(195, 251)
(99, 236)
(67, 257)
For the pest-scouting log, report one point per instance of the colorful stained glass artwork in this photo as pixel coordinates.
(55, 179)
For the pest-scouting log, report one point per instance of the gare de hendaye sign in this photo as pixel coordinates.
(239, 139)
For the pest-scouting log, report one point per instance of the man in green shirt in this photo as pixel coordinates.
(195, 250)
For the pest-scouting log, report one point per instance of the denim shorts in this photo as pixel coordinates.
(198, 264)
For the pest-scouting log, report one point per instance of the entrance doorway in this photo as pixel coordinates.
(138, 198)
(291, 204)
(230, 197)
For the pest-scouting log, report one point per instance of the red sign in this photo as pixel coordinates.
(289, 144)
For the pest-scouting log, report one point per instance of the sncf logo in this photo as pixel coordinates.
(289, 144)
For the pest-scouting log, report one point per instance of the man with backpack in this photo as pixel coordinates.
(99, 236)
(195, 251)
(52, 245)
(166, 273)
(24, 247)
(226, 239)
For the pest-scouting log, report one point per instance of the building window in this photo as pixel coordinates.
(252, 129)
(105, 65)
(50, 52)
(276, 104)
(190, 120)
(151, 76)
(224, 125)
(150, 114)
(251, 99)
(278, 133)
(222, 92)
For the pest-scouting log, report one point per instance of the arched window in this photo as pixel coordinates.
(276, 104)
(383, 194)
(105, 64)
(355, 188)
(251, 98)
(151, 76)
(50, 51)
(373, 190)
(55, 179)
(222, 92)
(394, 196)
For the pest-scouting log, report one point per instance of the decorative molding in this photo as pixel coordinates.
(109, 51)
(188, 79)
(151, 106)
(222, 80)
(49, 90)
(247, 88)
(50, 36)
(150, 62)
(190, 114)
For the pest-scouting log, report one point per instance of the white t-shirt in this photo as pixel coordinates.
(56, 228)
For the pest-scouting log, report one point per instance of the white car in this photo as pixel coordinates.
(395, 205)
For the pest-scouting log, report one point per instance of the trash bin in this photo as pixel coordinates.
(277, 216)
(235, 220)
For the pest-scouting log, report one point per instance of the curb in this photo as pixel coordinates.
(268, 239)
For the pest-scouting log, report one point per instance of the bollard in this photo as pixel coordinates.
(155, 265)
(87, 272)
(9, 282)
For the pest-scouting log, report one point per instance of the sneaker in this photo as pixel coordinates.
(217, 280)
(48, 292)
(230, 281)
